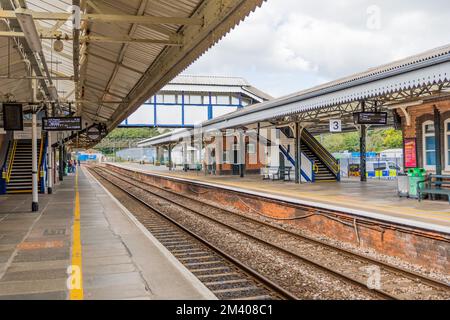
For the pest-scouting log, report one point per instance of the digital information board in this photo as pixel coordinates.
(12, 116)
(379, 118)
(61, 124)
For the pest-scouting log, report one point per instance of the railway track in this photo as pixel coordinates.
(340, 263)
(225, 276)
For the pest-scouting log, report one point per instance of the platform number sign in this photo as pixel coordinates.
(335, 125)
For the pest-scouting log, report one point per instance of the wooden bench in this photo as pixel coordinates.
(432, 185)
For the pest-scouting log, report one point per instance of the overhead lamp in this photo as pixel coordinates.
(53, 92)
(58, 45)
(28, 27)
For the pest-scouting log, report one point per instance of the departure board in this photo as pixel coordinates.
(12, 116)
(61, 124)
(379, 118)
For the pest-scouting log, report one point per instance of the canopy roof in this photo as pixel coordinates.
(124, 52)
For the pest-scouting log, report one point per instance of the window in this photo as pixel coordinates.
(234, 100)
(223, 100)
(429, 143)
(194, 99)
(379, 166)
(170, 98)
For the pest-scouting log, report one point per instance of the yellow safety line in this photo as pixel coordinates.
(76, 293)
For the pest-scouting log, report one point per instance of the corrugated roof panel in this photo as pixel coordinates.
(209, 80)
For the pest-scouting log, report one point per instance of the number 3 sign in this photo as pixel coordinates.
(335, 126)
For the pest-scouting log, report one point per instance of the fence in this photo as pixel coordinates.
(350, 167)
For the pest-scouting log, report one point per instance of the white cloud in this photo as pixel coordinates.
(289, 45)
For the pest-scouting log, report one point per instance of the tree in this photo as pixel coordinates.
(377, 140)
(122, 138)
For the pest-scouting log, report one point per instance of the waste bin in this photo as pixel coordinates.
(403, 185)
(415, 175)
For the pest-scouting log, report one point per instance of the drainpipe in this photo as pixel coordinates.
(437, 132)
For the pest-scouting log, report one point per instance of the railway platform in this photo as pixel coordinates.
(376, 199)
(83, 244)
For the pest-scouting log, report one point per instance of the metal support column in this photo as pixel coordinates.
(170, 157)
(241, 154)
(185, 157)
(49, 164)
(437, 132)
(34, 168)
(362, 148)
(297, 151)
(61, 162)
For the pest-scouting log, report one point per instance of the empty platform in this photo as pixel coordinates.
(376, 198)
(117, 258)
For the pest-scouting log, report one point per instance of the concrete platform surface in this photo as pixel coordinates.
(120, 258)
(375, 198)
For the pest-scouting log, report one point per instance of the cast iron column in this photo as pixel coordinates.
(61, 162)
(34, 164)
(362, 147)
(297, 153)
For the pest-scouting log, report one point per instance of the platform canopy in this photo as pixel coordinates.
(110, 58)
(394, 86)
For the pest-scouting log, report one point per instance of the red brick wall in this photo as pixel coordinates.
(420, 114)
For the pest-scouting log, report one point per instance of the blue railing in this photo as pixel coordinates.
(292, 161)
(4, 170)
(43, 166)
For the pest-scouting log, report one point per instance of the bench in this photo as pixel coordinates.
(432, 185)
(275, 173)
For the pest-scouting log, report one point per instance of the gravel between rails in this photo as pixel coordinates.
(396, 283)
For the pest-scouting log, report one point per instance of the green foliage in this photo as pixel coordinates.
(133, 133)
(122, 138)
(377, 140)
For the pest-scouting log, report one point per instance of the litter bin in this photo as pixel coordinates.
(415, 175)
(403, 185)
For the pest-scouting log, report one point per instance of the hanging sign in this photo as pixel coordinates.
(370, 118)
(335, 125)
(61, 123)
(410, 153)
(12, 117)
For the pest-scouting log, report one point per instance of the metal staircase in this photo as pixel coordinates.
(19, 177)
(326, 167)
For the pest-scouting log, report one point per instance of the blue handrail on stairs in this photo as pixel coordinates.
(292, 161)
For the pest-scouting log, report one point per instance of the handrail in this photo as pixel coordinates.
(292, 161)
(7, 155)
(11, 161)
(326, 157)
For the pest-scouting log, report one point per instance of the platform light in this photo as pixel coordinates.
(53, 92)
(28, 27)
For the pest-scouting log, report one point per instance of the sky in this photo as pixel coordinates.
(290, 45)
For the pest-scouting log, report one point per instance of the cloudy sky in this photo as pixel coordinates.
(289, 45)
